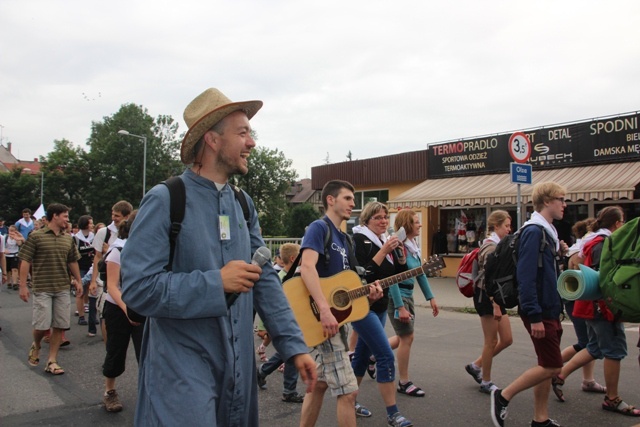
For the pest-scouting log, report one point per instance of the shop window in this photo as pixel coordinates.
(364, 197)
(465, 228)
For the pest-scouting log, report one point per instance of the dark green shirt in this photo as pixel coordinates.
(49, 256)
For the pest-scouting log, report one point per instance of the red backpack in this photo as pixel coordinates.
(467, 275)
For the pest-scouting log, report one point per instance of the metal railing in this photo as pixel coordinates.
(274, 243)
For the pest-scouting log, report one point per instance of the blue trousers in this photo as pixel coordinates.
(290, 379)
(373, 339)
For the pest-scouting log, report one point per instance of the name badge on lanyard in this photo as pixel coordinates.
(225, 229)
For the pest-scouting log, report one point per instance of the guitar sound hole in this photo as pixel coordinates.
(340, 299)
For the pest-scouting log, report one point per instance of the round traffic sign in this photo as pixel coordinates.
(519, 147)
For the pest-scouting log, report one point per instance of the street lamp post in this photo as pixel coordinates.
(144, 159)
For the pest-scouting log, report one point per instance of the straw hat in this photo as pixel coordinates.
(206, 110)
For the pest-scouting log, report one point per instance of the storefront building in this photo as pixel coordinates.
(598, 161)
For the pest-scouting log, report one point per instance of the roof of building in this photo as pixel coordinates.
(301, 191)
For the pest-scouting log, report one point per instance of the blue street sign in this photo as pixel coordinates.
(521, 173)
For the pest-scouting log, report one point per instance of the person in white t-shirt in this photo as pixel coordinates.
(120, 328)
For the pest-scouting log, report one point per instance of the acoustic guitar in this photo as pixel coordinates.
(346, 294)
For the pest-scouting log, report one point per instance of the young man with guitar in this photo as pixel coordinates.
(333, 365)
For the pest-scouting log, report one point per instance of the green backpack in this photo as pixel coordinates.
(620, 272)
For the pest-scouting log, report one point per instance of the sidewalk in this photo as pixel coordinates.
(446, 292)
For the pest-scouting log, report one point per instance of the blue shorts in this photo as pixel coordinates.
(606, 340)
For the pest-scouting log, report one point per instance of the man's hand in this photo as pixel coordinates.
(238, 276)
(537, 330)
(78, 285)
(306, 366)
(375, 291)
(24, 292)
(329, 323)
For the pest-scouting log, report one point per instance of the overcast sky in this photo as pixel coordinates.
(370, 77)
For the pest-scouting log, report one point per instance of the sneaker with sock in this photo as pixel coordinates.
(548, 423)
(498, 408)
(475, 372)
(362, 411)
(487, 388)
(111, 401)
(293, 397)
(397, 420)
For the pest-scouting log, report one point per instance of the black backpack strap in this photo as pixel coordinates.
(293, 268)
(178, 201)
(327, 241)
(242, 199)
(107, 236)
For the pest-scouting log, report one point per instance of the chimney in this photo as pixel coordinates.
(35, 159)
(8, 146)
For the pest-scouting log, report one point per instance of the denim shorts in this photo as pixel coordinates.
(606, 339)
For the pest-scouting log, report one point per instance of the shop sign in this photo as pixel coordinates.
(606, 140)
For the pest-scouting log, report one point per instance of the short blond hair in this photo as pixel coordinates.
(545, 192)
(288, 251)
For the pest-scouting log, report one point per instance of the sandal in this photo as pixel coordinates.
(34, 360)
(261, 352)
(619, 406)
(556, 385)
(53, 368)
(371, 368)
(410, 389)
(593, 387)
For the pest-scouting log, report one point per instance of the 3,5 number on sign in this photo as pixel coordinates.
(519, 147)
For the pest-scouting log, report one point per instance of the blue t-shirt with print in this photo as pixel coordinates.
(338, 255)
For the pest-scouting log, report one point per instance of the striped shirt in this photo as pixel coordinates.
(49, 255)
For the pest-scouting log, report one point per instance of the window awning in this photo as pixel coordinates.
(598, 182)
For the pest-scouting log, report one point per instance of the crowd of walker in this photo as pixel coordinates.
(128, 278)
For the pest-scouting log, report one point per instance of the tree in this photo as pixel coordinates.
(300, 216)
(19, 190)
(116, 161)
(65, 172)
(270, 176)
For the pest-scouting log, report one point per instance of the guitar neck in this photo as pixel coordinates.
(385, 283)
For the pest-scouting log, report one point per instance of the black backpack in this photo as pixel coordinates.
(102, 267)
(500, 274)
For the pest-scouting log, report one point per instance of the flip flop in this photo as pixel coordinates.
(54, 370)
(33, 361)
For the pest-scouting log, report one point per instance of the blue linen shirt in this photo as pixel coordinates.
(197, 363)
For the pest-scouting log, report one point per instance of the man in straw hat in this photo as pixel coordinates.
(197, 365)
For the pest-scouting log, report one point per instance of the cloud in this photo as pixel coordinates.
(373, 78)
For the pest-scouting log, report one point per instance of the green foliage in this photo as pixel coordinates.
(270, 176)
(116, 161)
(299, 218)
(19, 191)
(91, 182)
(65, 177)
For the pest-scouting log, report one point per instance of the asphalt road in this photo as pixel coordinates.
(442, 346)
